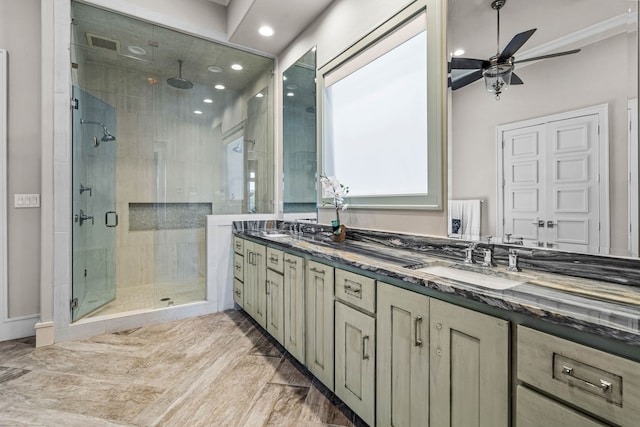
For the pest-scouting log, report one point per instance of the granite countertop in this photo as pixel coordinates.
(609, 310)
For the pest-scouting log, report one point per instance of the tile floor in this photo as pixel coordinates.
(214, 370)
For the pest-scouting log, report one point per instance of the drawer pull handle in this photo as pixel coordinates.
(351, 289)
(365, 356)
(268, 283)
(290, 261)
(315, 270)
(273, 259)
(418, 335)
(238, 267)
(604, 386)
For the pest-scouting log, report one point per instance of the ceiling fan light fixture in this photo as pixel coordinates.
(497, 78)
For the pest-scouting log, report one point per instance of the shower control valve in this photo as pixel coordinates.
(82, 217)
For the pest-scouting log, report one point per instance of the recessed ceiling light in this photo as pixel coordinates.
(290, 94)
(266, 31)
(214, 68)
(207, 100)
(458, 52)
(219, 87)
(292, 87)
(236, 67)
(197, 112)
(259, 95)
(137, 50)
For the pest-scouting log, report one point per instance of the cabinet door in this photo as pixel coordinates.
(402, 375)
(259, 277)
(275, 305)
(356, 361)
(238, 292)
(249, 280)
(535, 410)
(319, 321)
(469, 358)
(294, 306)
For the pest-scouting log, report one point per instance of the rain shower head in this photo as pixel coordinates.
(106, 135)
(179, 82)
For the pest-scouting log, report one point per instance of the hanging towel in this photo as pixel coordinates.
(464, 219)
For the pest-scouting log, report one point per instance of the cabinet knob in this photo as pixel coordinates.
(439, 352)
(438, 325)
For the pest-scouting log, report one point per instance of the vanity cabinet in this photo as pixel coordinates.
(274, 312)
(355, 342)
(402, 374)
(591, 381)
(238, 271)
(469, 367)
(319, 311)
(254, 281)
(534, 410)
(294, 311)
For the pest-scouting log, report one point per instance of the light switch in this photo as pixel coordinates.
(26, 200)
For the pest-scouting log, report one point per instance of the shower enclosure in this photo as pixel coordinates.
(165, 133)
(94, 199)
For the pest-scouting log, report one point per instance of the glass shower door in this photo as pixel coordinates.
(94, 202)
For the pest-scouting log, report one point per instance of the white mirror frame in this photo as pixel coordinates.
(436, 104)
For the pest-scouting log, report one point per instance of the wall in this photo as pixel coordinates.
(341, 25)
(20, 36)
(475, 115)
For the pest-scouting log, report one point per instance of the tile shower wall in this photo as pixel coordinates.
(162, 156)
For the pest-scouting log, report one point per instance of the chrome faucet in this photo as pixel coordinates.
(488, 258)
(468, 253)
(513, 261)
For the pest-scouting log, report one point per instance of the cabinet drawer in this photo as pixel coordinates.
(238, 292)
(238, 267)
(356, 290)
(275, 260)
(597, 382)
(238, 245)
(534, 410)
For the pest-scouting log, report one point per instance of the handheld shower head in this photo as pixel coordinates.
(106, 135)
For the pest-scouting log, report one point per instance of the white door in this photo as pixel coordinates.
(551, 193)
(572, 217)
(524, 182)
(634, 230)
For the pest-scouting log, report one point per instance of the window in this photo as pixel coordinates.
(381, 132)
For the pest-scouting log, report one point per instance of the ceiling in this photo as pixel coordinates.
(288, 18)
(472, 24)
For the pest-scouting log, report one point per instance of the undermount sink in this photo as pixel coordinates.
(490, 281)
(275, 234)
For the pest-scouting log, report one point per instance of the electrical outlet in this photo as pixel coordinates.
(26, 200)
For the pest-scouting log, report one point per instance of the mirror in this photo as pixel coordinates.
(299, 136)
(558, 182)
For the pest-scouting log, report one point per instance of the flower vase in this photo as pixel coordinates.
(339, 231)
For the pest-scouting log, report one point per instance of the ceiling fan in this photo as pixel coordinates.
(497, 70)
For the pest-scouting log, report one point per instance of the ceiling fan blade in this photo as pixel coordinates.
(466, 79)
(516, 43)
(551, 55)
(515, 80)
(468, 63)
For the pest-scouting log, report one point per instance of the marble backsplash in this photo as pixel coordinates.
(623, 271)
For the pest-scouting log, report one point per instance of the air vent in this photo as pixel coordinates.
(103, 42)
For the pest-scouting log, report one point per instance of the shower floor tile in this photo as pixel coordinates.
(148, 297)
(220, 369)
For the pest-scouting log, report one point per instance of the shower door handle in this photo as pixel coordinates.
(107, 216)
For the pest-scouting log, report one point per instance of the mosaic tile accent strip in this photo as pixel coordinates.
(168, 216)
